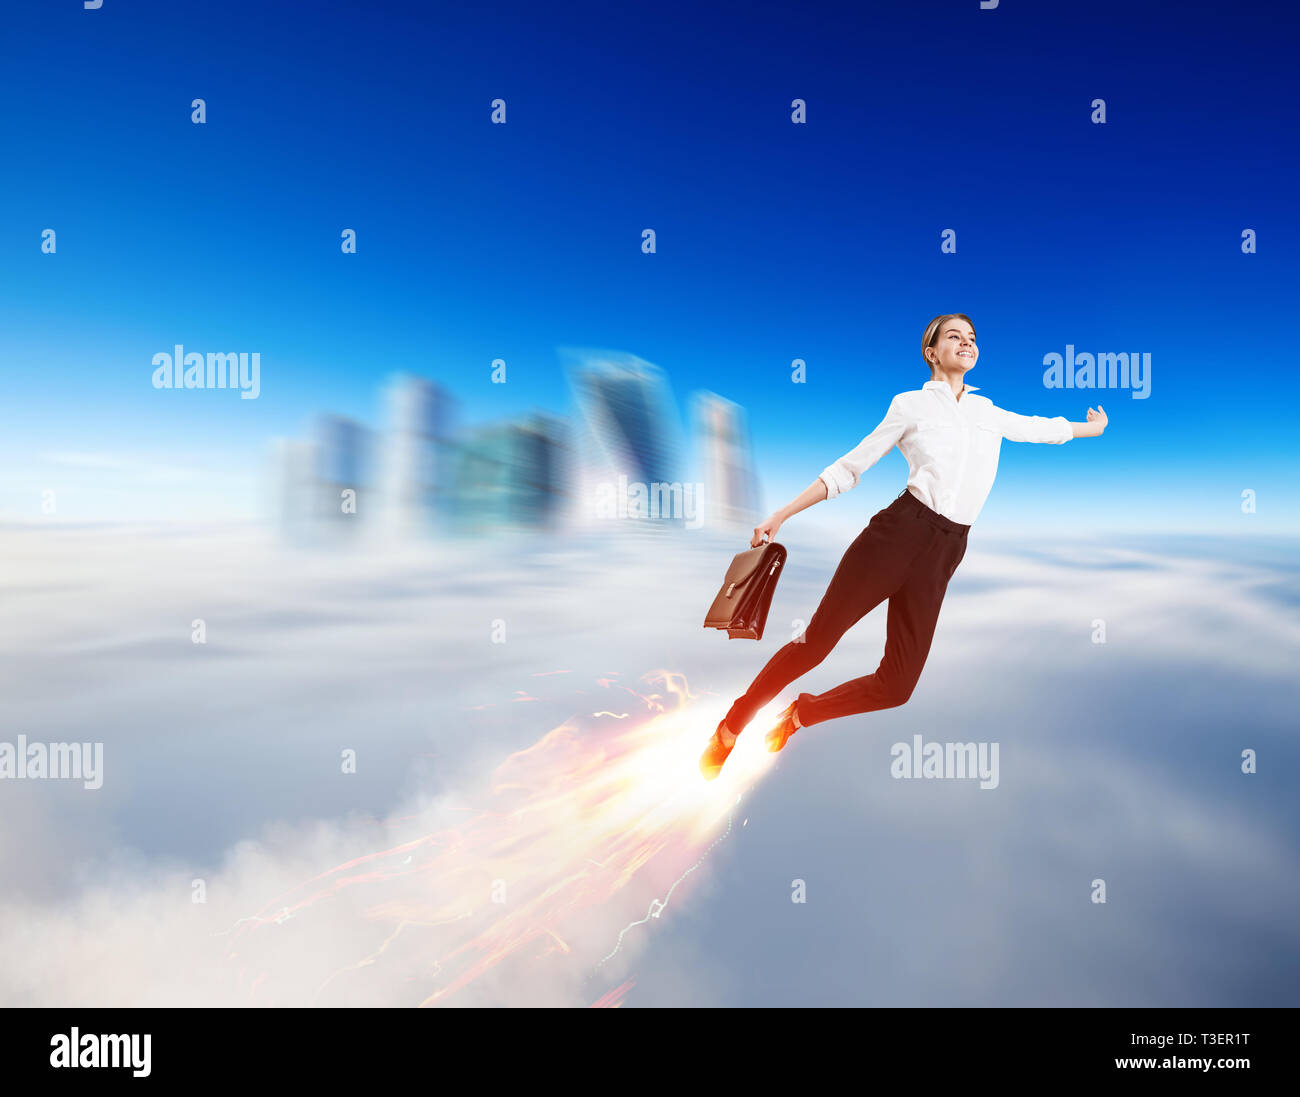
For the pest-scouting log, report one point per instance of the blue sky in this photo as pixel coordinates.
(775, 241)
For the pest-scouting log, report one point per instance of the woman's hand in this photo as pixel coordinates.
(1098, 417)
(769, 526)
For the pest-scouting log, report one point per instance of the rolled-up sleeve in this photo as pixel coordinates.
(1031, 428)
(845, 473)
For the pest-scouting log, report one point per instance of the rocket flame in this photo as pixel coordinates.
(594, 829)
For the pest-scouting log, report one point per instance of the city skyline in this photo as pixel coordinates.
(422, 472)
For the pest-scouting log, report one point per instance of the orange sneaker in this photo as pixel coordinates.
(784, 728)
(715, 754)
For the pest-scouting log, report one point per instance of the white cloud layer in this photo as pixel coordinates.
(1119, 761)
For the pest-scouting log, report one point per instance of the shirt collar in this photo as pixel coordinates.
(944, 385)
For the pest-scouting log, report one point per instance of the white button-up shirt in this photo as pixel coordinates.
(951, 446)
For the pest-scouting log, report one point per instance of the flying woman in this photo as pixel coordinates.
(909, 551)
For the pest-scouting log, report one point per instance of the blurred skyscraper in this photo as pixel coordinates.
(342, 490)
(725, 458)
(420, 455)
(514, 474)
(629, 438)
(294, 488)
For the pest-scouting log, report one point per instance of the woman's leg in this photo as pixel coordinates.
(873, 568)
(913, 614)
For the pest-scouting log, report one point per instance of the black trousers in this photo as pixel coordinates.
(907, 554)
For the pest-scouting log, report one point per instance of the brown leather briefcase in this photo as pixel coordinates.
(742, 603)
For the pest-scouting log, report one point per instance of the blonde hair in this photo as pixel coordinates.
(932, 329)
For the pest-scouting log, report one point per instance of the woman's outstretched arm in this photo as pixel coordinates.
(1093, 427)
(813, 493)
(1038, 428)
(843, 474)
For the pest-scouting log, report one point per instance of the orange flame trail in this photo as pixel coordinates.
(594, 830)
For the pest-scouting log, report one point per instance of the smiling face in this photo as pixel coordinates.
(953, 351)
